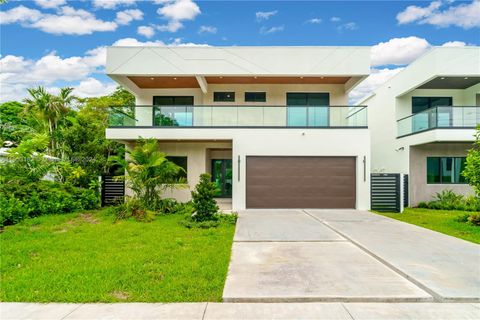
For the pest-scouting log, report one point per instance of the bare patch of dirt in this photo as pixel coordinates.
(120, 295)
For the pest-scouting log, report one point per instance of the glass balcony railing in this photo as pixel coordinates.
(438, 118)
(240, 116)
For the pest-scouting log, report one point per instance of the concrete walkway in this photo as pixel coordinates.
(347, 256)
(230, 311)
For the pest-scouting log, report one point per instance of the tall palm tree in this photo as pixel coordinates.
(51, 108)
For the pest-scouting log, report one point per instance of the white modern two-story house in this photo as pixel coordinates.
(422, 121)
(271, 125)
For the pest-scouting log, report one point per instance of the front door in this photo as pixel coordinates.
(222, 177)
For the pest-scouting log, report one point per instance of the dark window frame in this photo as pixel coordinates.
(221, 96)
(183, 158)
(429, 103)
(255, 95)
(439, 170)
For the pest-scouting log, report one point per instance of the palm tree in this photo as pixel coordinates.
(51, 108)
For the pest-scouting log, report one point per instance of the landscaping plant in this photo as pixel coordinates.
(472, 167)
(203, 200)
(148, 175)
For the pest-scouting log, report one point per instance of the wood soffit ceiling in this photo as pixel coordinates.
(191, 82)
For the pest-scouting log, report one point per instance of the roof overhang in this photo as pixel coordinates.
(178, 67)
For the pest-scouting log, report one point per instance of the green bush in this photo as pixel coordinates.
(203, 199)
(448, 200)
(12, 211)
(44, 197)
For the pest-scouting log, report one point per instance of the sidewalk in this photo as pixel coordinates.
(229, 311)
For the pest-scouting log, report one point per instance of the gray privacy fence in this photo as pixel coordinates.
(113, 190)
(389, 192)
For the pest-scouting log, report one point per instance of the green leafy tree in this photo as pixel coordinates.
(149, 173)
(14, 124)
(472, 168)
(203, 199)
(51, 109)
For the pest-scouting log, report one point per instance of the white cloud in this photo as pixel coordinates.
(266, 30)
(176, 11)
(398, 51)
(20, 14)
(146, 31)
(112, 4)
(92, 87)
(464, 15)
(50, 4)
(127, 16)
(347, 26)
(18, 73)
(375, 80)
(314, 21)
(454, 44)
(265, 15)
(335, 19)
(67, 20)
(207, 29)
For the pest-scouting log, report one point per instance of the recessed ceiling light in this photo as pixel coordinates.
(301, 77)
(255, 77)
(442, 78)
(221, 77)
(465, 78)
(152, 78)
(174, 78)
(322, 77)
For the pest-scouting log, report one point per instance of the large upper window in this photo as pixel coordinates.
(420, 104)
(172, 111)
(255, 97)
(308, 109)
(182, 163)
(224, 96)
(445, 170)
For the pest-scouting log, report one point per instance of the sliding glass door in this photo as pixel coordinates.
(308, 109)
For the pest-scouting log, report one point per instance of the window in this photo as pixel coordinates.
(224, 96)
(308, 109)
(420, 104)
(255, 97)
(182, 163)
(173, 111)
(445, 170)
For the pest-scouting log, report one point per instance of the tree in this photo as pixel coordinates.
(203, 199)
(14, 126)
(472, 168)
(149, 173)
(50, 108)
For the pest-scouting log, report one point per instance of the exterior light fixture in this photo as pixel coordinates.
(466, 78)
(442, 78)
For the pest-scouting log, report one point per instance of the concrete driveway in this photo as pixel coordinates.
(347, 256)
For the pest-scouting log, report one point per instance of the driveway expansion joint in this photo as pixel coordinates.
(437, 297)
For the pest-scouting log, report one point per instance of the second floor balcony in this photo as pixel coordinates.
(245, 116)
(442, 117)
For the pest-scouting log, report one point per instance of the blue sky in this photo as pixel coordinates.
(55, 43)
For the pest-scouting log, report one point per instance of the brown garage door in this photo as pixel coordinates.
(300, 182)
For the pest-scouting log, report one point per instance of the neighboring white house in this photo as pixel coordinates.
(271, 124)
(422, 121)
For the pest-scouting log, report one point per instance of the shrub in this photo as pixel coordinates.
(448, 200)
(203, 200)
(44, 197)
(12, 211)
(472, 167)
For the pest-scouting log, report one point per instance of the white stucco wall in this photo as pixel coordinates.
(272, 142)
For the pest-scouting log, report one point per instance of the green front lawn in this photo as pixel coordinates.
(443, 221)
(89, 258)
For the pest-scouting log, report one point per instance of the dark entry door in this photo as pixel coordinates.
(222, 177)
